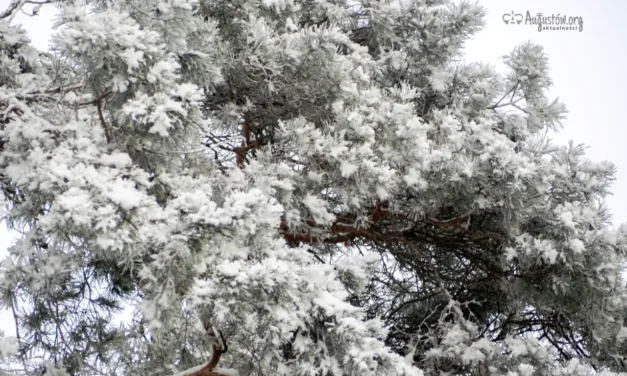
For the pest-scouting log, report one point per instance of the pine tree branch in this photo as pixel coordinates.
(340, 232)
(12, 9)
(102, 119)
(219, 347)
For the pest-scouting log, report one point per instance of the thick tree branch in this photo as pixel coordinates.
(411, 229)
(219, 347)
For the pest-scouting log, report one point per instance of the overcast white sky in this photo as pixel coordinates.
(588, 69)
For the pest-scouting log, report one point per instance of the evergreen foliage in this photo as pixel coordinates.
(296, 187)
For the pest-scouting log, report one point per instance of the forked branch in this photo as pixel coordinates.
(219, 347)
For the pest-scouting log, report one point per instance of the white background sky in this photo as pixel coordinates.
(588, 68)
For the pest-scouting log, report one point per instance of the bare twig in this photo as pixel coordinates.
(16, 5)
(511, 90)
(98, 103)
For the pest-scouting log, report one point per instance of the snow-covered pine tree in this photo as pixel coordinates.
(318, 187)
